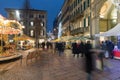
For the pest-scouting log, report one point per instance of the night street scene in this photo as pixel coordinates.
(59, 39)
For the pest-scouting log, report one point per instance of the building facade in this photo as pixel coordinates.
(55, 28)
(88, 17)
(34, 21)
(75, 17)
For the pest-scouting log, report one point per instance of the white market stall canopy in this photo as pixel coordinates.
(115, 31)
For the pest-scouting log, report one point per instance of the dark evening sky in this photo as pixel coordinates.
(51, 6)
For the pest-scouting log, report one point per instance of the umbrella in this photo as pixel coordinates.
(24, 37)
(56, 40)
(79, 38)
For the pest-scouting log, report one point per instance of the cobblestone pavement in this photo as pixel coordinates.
(53, 67)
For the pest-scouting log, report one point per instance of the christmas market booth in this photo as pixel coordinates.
(8, 30)
(115, 31)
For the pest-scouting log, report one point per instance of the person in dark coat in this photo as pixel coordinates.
(60, 48)
(73, 48)
(88, 60)
(47, 45)
(76, 48)
(43, 45)
(82, 48)
(110, 47)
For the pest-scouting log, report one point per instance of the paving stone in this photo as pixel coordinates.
(53, 67)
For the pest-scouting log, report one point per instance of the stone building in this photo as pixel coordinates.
(88, 17)
(34, 21)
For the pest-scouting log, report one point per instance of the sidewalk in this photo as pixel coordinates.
(10, 65)
(53, 67)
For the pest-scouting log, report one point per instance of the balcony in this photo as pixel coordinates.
(79, 30)
(76, 16)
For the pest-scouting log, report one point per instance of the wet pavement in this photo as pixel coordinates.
(50, 66)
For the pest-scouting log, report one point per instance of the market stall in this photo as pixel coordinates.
(8, 28)
(116, 54)
(115, 31)
(24, 42)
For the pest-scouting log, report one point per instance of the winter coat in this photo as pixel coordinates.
(88, 58)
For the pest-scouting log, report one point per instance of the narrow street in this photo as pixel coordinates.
(53, 67)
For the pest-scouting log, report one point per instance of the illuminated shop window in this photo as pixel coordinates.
(32, 33)
(31, 23)
(42, 24)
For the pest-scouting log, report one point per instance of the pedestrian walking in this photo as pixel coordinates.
(82, 48)
(88, 60)
(60, 48)
(76, 48)
(43, 45)
(73, 48)
(110, 47)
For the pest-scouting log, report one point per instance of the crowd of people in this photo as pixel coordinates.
(78, 48)
(83, 50)
(108, 47)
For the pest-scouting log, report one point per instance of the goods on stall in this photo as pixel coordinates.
(8, 28)
(6, 54)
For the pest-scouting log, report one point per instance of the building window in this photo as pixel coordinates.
(92, 1)
(84, 5)
(88, 20)
(32, 33)
(43, 16)
(39, 32)
(81, 8)
(39, 16)
(21, 16)
(22, 22)
(42, 32)
(84, 22)
(74, 4)
(88, 3)
(31, 16)
(31, 23)
(42, 24)
(79, 1)
(71, 27)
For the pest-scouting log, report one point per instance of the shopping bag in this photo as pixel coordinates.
(98, 64)
(106, 54)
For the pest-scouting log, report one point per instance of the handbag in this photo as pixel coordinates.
(106, 54)
(98, 64)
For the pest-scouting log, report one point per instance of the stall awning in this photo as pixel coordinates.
(115, 31)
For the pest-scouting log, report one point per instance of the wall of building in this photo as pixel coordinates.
(33, 20)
